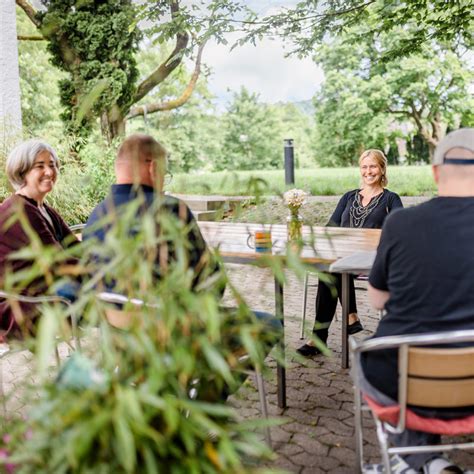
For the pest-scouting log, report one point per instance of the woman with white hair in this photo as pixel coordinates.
(32, 169)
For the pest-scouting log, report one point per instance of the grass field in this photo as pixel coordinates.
(404, 180)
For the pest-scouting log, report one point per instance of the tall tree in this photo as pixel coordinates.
(308, 23)
(191, 133)
(96, 43)
(250, 130)
(362, 95)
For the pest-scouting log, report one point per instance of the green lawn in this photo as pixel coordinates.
(405, 180)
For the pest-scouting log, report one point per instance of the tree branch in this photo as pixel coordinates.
(30, 38)
(401, 112)
(172, 104)
(30, 11)
(286, 15)
(168, 66)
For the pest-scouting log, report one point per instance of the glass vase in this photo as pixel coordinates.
(294, 224)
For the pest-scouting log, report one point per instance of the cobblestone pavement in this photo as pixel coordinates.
(318, 434)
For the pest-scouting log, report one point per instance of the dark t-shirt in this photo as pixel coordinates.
(425, 259)
(388, 202)
(111, 209)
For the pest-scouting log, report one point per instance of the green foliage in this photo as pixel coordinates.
(94, 44)
(249, 128)
(345, 122)
(294, 122)
(310, 22)
(40, 105)
(405, 180)
(254, 133)
(124, 406)
(366, 102)
(191, 133)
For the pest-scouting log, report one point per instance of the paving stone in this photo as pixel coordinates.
(344, 396)
(310, 443)
(333, 440)
(346, 455)
(280, 436)
(290, 450)
(324, 464)
(328, 412)
(302, 417)
(341, 470)
(316, 462)
(284, 463)
(335, 426)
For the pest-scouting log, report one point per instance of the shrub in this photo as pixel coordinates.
(132, 412)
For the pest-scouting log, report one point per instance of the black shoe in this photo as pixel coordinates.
(354, 328)
(307, 351)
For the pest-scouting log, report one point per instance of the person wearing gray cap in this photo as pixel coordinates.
(422, 276)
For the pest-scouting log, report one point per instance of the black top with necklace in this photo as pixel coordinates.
(351, 213)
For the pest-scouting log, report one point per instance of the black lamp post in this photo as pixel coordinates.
(289, 161)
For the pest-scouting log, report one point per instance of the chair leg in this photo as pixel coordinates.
(359, 438)
(263, 403)
(383, 443)
(303, 309)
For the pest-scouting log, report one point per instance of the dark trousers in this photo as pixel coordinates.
(326, 302)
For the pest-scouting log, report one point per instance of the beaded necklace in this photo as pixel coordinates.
(358, 213)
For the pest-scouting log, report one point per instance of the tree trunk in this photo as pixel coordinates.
(112, 124)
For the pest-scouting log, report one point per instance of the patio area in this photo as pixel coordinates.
(318, 435)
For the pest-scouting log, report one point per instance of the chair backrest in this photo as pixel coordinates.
(440, 377)
(77, 230)
(117, 316)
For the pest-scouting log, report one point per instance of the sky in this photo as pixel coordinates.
(262, 69)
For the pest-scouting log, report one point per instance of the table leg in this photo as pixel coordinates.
(345, 317)
(281, 374)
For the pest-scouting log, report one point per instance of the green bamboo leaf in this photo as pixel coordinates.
(131, 405)
(46, 339)
(87, 101)
(125, 443)
(151, 465)
(216, 361)
(81, 439)
(251, 348)
(172, 416)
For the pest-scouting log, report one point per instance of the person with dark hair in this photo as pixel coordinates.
(367, 208)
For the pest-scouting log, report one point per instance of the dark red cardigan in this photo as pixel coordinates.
(13, 237)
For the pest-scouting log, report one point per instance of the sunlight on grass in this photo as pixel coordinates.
(404, 180)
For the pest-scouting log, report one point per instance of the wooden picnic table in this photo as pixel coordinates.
(326, 245)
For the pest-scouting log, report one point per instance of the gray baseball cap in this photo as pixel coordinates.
(462, 138)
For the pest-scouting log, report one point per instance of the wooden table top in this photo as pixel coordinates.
(322, 244)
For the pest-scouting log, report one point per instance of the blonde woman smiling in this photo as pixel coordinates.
(366, 207)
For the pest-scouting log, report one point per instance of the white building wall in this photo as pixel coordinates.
(10, 106)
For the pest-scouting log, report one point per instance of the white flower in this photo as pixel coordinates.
(295, 198)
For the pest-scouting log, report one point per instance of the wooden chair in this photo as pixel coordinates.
(428, 377)
(77, 229)
(8, 348)
(123, 319)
